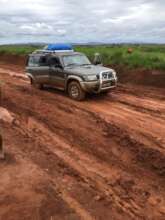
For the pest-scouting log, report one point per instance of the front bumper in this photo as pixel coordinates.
(99, 86)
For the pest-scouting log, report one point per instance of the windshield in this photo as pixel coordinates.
(76, 60)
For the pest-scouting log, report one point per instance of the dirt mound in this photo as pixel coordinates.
(141, 76)
(5, 116)
(13, 59)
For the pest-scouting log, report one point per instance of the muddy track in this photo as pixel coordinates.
(103, 158)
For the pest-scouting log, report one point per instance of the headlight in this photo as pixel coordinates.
(90, 78)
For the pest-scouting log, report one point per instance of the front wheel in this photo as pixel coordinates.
(75, 91)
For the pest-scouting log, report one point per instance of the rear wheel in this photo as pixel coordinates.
(35, 84)
(75, 91)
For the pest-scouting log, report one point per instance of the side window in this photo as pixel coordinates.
(53, 61)
(43, 61)
(30, 62)
(33, 61)
(36, 61)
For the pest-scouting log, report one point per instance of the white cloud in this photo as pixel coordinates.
(82, 21)
(37, 29)
(100, 11)
(136, 13)
(61, 31)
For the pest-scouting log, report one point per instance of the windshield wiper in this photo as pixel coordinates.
(86, 64)
(71, 64)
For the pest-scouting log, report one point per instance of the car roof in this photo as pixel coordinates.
(68, 53)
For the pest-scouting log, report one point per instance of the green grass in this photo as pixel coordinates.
(17, 50)
(148, 57)
(145, 56)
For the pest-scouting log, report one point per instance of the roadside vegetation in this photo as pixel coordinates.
(18, 49)
(148, 57)
(133, 56)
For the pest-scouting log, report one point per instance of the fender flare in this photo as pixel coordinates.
(72, 77)
(30, 76)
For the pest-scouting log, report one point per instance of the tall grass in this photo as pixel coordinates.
(145, 56)
(148, 57)
(17, 50)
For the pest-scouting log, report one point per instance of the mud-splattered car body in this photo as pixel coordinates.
(59, 70)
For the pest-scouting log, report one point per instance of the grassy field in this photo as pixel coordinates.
(146, 56)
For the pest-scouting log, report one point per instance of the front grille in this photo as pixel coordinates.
(106, 84)
(107, 75)
(107, 80)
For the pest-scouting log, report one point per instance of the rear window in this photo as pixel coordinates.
(33, 61)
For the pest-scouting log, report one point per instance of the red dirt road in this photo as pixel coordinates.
(101, 159)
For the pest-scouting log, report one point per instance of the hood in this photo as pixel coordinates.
(87, 70)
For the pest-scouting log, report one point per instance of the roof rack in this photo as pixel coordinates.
(51, 51)
(55, 48)
(41, 51)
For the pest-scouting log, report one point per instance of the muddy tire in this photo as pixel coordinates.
(75, 91)
(36, 85)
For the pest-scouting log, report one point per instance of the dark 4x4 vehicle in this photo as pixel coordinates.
(69, 71)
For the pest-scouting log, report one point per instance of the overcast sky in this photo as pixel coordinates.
(82, 21)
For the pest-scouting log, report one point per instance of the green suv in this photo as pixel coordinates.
(69, 71)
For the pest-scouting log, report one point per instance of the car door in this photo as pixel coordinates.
(38, 67)
(57, 74)
(41, 70)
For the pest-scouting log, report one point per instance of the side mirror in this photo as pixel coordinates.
(58, 66)
(97, 59)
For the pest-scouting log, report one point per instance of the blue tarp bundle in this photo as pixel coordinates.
(59, 47)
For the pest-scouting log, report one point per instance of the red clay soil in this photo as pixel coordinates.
(13, 59)
(100, 159)
(141, 76)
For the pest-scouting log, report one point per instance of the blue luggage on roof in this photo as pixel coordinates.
(58, 47)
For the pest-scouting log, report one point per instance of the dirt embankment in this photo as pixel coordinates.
(13, 59)
(137, 76)
(141, 76)
(100, 159)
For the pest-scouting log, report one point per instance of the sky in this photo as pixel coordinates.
(82, 21)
